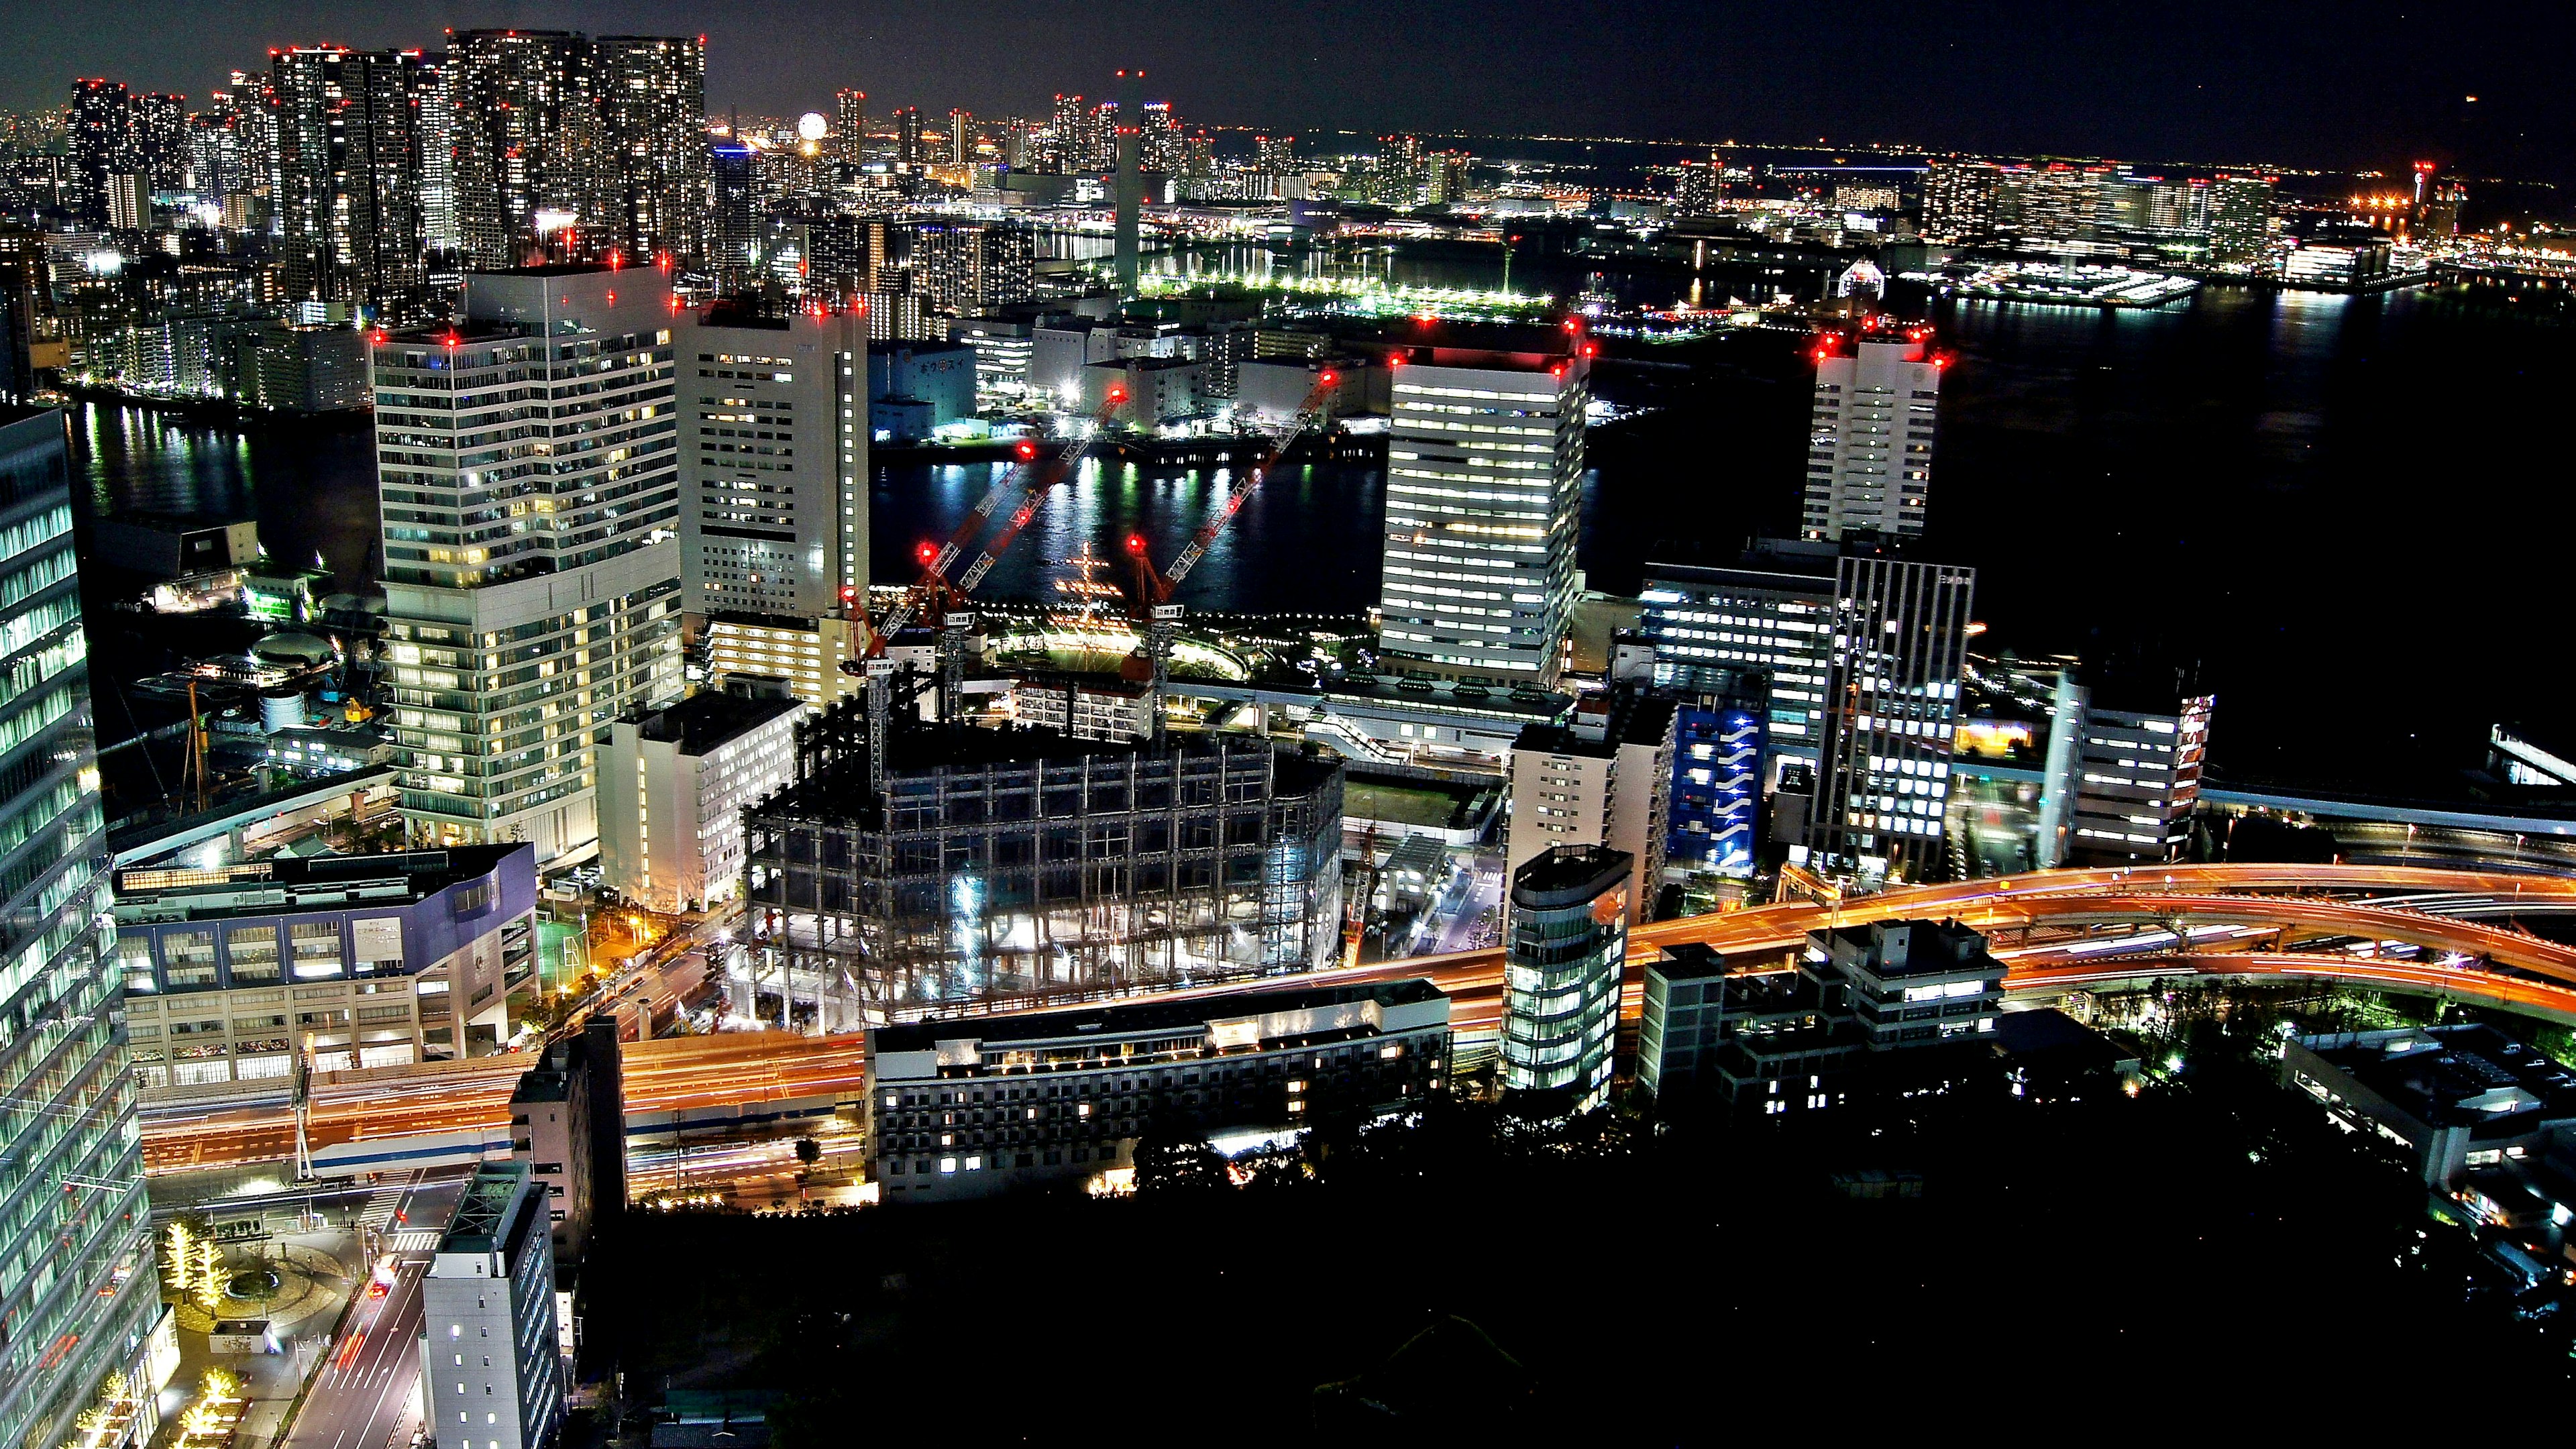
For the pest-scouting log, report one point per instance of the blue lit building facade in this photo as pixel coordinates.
(78, 1296)
(1717, 788)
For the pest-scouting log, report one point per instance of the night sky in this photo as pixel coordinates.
(2294, 84)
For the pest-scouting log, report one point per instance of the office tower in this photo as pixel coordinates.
(2240, 220)
(350, 162)
(1247, 1064)
(1962, 200)
(774, 469)
(490, 1361)
(1770, 615)
(1485, 478)
(432, 950)
(971, 268)
(910, 147)
(103, 143)
(961, 138)
(1565, 948)
(733, 227)
(673, 785)
(532, 592)
(850, 126)
(2124, 761)
(1890, 718)
(1605, 778)
(81, 1295)
(653, 123)
(527, 140)
(1869, 453)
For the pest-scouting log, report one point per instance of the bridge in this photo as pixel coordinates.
(2417, 929)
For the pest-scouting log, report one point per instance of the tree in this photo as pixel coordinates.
(808, 1151)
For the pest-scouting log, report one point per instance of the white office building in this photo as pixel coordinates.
(528, 471)
(1605, 778)
(2121, 783)
(1484, 484)
(1891, 718)
(673, 786)
(774, 516)
(491, 1367)
(1869, 453)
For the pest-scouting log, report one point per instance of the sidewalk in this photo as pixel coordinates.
(270, 1381)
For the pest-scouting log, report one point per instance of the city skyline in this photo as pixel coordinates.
(2378, 91)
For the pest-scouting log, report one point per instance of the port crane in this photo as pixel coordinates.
(1161, 617)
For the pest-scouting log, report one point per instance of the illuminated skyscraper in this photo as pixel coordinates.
(961, 137)
(774, 516)
(161, 138)
(1484, 482)
(2240, 219)
(1891, 714)
(532, 591)
(1869, 454)
(80, 1295)
(527, 139)
(653, 119)
(350, 161)
(104, 143)
(850, 125)
(1566, 946)
(972, 268)
(733, 231)
(911, 148)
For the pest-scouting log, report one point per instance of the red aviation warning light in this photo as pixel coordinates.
(1136, 543)
(926, 551)
(1591, 349)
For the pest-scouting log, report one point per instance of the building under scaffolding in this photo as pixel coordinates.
(1022, 865)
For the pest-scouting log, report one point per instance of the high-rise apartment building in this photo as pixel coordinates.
(960, 146)
(653, 123)
(103, 141)
(531, 545)
(1604, 779)
(491, 1367)
(527, 140)
(1901, 632)
(774, 522)
(1484, 483)
(78, 1292)
(912, 147)
(850, 125)
(973, 268)
(350, 161)
(1869, 450)
(161, 139)
(2240, 219)
(1564, 952)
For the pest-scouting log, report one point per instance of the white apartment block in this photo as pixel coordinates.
(1484, 484)
(528, 467)
(673, 786)
(774, 516)
(1869, 453)
(1606, 779)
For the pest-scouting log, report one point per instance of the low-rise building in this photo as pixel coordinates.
(377, 960)
(564, 1112)
(2454, 1099)
(490, 1363)
(961, 1109)
(672, 788)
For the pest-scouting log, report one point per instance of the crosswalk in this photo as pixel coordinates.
(413, 1241)
(381, 1205)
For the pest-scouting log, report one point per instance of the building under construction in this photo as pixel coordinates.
(980, 866)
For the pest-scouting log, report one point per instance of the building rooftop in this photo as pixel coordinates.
(1602, 724)
(320, 882)
(1149, 1017)
(483, 1211)
(2446, 1076)
(1908, 948)
(840, 789)
(1565, 875)
(704, 723)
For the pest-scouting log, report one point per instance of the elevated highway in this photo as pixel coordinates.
(2264, 909)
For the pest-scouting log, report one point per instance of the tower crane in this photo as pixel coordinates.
(1022, 489)
(1154, 587)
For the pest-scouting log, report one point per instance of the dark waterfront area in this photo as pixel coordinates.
(2255, 479)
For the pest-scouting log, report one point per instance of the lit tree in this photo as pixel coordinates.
(210, 1274)
(179, 1260)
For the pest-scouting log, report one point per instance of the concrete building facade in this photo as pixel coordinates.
(490, 1366)
(673, 786)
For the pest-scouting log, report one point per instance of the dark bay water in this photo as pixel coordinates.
(2355, 511)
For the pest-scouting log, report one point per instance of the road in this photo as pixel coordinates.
(366, 1396)
(748, 1068)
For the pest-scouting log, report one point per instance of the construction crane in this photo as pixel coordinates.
(1355, 902)
(1024, 487)
(1154, 587)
